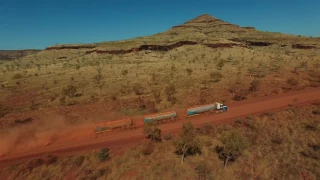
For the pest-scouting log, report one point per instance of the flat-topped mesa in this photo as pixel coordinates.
(204, 18)
(202, 22)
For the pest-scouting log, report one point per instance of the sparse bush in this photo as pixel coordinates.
(152, 132)
(292, 82)
(24, 121)
(97, 78)
(79, 160)
(52, 159)
(216, 76)
(103, 154)
(78, 67)
(203, 170)
(148, 149)
(113, 97)
(157, 95)
(3, 112)
(124, 72)
(170, 92)
(138, 89)
(69, 91)
(151, 106)
(220, 64)
(206, 129)
(257, 71)
(34, 163)
(189, 71)
(167, 137)
(17, 76)
(62, 100)
(254, 85)
(240, 94)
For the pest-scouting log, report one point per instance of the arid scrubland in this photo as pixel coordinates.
(279, 145)
(201, 61)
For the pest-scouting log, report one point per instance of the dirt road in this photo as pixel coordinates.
(236, 110)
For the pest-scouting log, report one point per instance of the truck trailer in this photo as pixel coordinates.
(209, 108)
(161, 118)
(123, 124)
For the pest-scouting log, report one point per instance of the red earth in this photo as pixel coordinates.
(118, 142)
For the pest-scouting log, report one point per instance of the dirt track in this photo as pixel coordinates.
(236, 110)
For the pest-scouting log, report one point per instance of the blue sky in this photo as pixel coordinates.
(36, 24)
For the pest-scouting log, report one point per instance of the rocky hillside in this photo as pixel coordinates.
(205, 30)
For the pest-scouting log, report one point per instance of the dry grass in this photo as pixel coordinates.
(44, 76)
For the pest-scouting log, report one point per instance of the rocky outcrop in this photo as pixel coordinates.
(224, 45)
(144, 47)
(300, 46)
(71, 47)
(163, 47)
(186, 26)
(250, 28)
(252, 43)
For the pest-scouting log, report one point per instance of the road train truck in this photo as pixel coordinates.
(123, 124)
(161, 118)
(209, 108)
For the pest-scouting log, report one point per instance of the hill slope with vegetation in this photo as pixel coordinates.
(201, 61)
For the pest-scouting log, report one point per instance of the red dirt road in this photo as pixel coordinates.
(236, 110)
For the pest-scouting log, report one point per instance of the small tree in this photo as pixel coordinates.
(187, 144)
(152, 132)
(233, 146)
(103, 154)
